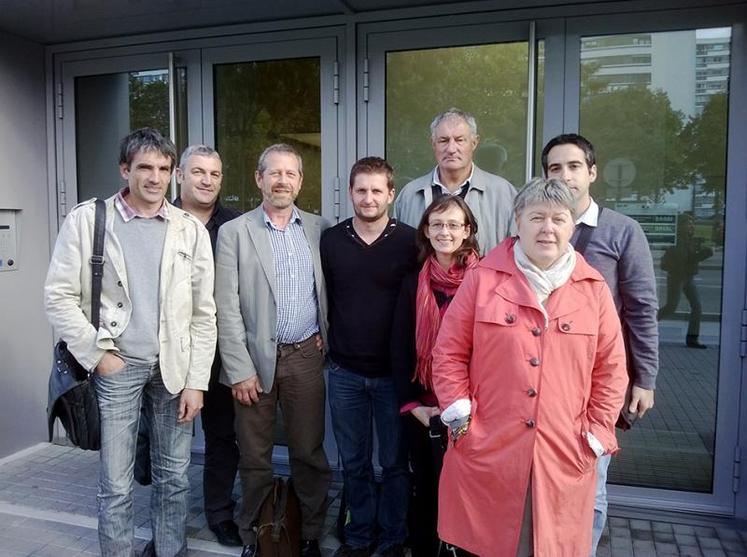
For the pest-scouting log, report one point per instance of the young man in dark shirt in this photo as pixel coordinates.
(364, 260)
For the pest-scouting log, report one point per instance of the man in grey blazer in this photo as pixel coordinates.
(454, 139)
(272, 309)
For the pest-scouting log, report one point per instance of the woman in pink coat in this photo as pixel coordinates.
(529, 370)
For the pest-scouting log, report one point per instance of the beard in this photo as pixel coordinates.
(370, 217)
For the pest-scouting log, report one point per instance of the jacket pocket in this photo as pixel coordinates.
(310, 350)
(581, 328)
(587, 458)
(501, 313)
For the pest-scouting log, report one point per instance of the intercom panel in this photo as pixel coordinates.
(8, 240)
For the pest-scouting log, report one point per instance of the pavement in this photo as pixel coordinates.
(48, 508)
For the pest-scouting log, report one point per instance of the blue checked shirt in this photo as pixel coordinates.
(294, 277)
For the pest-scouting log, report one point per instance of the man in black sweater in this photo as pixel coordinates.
(364, 260)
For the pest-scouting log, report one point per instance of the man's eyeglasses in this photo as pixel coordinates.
(451, 226)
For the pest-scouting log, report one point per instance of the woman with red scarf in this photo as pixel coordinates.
(447, 243)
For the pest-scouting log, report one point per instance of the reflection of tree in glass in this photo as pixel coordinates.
(149, 104)
(261, 103)
(640, 125)
(490, 81)
(704, 138)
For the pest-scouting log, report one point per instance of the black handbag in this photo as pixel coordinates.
(71, 395)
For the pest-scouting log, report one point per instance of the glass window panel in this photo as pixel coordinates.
(490, 81)
(107, 108)
(261, 103)
(655, 107)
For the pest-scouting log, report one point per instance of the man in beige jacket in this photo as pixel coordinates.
(155, 340)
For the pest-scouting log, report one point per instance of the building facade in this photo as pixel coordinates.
(661, 91)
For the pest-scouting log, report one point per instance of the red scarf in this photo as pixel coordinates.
(427, 313)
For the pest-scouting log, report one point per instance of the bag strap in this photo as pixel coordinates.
(97, 261)
(279, 512)
(584, 235)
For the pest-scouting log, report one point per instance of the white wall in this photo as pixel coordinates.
(25, 336)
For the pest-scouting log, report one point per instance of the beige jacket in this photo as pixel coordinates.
(187, 331)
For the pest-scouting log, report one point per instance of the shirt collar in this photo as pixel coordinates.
(127, 212)
(295, 218)
(590, 217)
(437, 181)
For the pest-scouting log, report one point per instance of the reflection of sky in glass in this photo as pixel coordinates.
(717, 33)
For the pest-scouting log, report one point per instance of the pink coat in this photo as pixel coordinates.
(534, 393)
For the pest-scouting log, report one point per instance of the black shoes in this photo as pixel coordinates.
(227, 533)
(250, 551)
(310, 548)
(692, 342)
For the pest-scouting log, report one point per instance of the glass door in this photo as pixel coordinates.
(263, 93)
(654, 101)
(412, 75)
(275, 92)
(102, 100)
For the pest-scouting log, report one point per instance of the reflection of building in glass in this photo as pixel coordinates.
(621, 61)
(150, 76)
(617, 61)
(689, 66)
(712, 53)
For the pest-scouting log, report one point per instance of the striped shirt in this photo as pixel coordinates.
(294, 277)
(128, 212)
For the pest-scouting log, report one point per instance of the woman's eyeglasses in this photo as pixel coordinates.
(451, 226)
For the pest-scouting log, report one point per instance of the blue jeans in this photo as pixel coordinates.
(357, 403)
(600, 502)
(120, 396)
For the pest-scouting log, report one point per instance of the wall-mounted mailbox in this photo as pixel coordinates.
(8, 240)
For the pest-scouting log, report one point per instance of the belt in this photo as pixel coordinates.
(288, 348)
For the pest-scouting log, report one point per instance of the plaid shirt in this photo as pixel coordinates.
(294, 277)
(128, 213)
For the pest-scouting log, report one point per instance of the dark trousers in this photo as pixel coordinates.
(358, 404)
(423, 519)
(683, 284)
(221, 451)
(299, 388)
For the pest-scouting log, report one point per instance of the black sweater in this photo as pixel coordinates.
(363, 283)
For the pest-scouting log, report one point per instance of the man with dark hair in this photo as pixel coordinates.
(616, 246)
(365, 259)
(454, 140)
(155, 342)
(200, 175)
(272, 308)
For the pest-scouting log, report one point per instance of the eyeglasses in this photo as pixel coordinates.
(451, 226)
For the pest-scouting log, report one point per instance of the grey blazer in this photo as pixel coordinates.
(246, 295)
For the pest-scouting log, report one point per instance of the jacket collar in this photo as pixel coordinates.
(477, 180)
(516, 287)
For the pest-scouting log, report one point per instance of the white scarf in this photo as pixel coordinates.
(543, 282)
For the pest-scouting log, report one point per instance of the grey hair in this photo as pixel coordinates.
(199, 150)
(454, 113)
(545, 191)
(278, 148)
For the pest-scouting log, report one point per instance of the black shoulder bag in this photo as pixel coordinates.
(71, 396)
